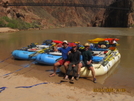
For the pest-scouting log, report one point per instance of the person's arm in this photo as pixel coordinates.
(69, 52)
(69, 57)
(78, 58)
(59, 49)
(90, 58)
(89, 62)
(55, 49)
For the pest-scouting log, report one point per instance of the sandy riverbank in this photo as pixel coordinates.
(50, 91)
(7, 29)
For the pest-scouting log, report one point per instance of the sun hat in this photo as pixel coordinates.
(65, 41)
(103, 46)
(87, 44)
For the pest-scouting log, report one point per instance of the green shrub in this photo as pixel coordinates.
(17, 23)
(2, 24)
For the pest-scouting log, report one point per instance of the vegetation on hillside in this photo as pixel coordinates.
(17, 23)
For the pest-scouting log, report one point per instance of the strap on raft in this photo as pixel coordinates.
(2, 89)
(36, 85)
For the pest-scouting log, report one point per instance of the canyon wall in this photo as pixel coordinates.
(64, 16)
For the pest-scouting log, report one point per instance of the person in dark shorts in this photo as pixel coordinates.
(74, 58)
(64, 50)
(87, 59)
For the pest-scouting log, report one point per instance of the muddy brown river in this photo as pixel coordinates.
(120, 76)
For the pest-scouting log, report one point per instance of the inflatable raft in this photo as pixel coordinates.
(53, 57)
(48, 59)
(24, 55)
(101, 67)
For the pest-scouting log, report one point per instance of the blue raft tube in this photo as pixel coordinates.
(50, 59)
(23, 55)
(47, 59)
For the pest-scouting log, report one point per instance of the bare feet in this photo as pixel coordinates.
(52, 75)
(72, 79)
(66, 77)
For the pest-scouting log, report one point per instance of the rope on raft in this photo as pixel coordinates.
(18, 69)
(2, 89)
(37, 84)
(5, 59)
(32, 85)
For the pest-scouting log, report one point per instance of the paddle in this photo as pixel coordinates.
(108, 55)
(41, 51)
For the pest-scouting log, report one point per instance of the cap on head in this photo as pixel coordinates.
(86, 44)
(65, 41)
(74, 45)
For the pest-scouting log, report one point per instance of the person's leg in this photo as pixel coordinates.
(93, 73)
(60, 62)
(68, 70)
(66, 63)
(72, 79)
(79, 69)
(74, 69)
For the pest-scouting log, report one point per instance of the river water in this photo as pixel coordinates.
(120, 76)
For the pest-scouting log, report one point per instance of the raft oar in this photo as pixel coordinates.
(6, 59)
(108, 55)
(41, 51)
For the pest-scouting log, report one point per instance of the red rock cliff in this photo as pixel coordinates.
(57, 16)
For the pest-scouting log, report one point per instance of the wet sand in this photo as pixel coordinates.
(51, 91)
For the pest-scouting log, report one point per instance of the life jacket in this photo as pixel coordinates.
(111, 41)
